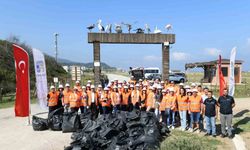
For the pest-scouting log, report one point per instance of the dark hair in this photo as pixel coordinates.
(225, 89)
(199, 86)
(183, 90)
(210, 91)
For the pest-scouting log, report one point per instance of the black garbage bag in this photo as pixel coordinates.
(55, 119)
(71, 122)
(39, 124)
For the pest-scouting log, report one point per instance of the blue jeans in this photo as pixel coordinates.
(210, 125)
(183, 116)
(170, 113)
(195, 117)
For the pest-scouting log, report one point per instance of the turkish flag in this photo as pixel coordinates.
(22, 82)
(221, 78)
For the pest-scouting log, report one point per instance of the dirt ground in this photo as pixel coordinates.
(15, 134)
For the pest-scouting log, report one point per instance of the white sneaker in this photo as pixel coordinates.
(182, 129)
(173, 127)
(191, 130)
(169, 126)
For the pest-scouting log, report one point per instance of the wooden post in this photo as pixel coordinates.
(165, 61)
(97, 62)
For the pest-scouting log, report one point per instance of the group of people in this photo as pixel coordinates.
(188, 106)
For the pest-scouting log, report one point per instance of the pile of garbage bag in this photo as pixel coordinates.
(122, 130)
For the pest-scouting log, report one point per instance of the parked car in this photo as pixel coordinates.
(178, 77)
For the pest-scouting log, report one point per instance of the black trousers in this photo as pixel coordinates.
(52, 108)
(94, 111)
(124, 107)
(74, 109)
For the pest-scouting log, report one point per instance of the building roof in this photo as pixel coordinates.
(210, 63)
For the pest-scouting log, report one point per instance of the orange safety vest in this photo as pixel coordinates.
(106, 100)
(79, 88)
(90, 98)
(74, 100)
(125, 98)
(135, 97)
(84, 99)
(195, 103)
(115, 98)
(53, 98)
(171, 102)
(182, 102)
(66, 95)
(163, 103)
(150, 100)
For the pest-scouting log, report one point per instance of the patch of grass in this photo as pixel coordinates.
(11, 102)
(179, 140)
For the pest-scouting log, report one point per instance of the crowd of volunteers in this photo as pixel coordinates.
(193, 108)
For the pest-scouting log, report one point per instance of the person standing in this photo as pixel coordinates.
(210, 110)
(92, 102)
(126, 96)
(52, 98)
(226, 104)
(74, 100)
(163, 106)
(84, 100)
(195, 103)
(105, 101)
(66, 94)
(143, 99)
(150, 102)
(115, 99)
(135, 98)
(171, 108)
(182, 101)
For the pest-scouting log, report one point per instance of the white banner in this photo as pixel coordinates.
(41, 78)
(231, 76)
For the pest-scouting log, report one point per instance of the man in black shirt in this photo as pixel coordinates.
(226, 104)
(210, 114)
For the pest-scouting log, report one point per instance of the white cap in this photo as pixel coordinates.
(52, 87)
(195, 90)
(92, 86)
(171, 89)
(154, 86)
(162, 82)
(83, 87)
(151, 81)
(119, 86)
(115, 87)
(112, 81)
(131, 85)
(67, 85)
(119, 82)
(159, 87)
(187, 87)
(140, 80)
(89, 81)
(164, 91)
(77, 81)
(125, 87)
(100, 86)
(189, 91)
(60, 86)
(181, 84)
(88, 85)
(137, 85)
(193, 84)
(106, 89)
(144, 89)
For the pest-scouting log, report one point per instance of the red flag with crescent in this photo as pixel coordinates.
(22, 82)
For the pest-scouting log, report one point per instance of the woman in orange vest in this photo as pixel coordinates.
(151, 100)
(52, 99)
(195, 110)
(162, 107)
(66, 93)
(105, 101)
(125, 99)
(182, 101)
(74, 100)
(115, 99)
(84, 100)
(171, 108)
(143, 99)
(135, 98)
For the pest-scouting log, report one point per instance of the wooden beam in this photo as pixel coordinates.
(131, 38)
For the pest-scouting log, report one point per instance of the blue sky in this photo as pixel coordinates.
(203, 29)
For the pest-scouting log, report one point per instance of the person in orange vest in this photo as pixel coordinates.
(79, 88)
(115, 99)
(163, 106)
(66, 93)
(150, 100)
(126, 98)
(163, 84)
(105, 101)
(135, 98)
(182, 101)
(143, 99)
(93, 102)
(84, 100)
(195, 110)
(88, 88)
(74, 100)
(171, 108)
(99, 92)
(52, 99)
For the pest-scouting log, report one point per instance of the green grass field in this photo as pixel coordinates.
(179, 140)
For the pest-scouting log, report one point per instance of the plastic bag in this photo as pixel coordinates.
(55, 119)
(39, 124)
(71, 122)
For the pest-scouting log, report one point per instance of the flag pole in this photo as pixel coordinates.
(29, 95)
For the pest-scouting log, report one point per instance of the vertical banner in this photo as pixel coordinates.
(22, 102)
(41, 78)
(221, 78)
(231, 76)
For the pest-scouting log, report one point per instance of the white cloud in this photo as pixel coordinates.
(180, 56)
(213, 51)
(152, 58)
